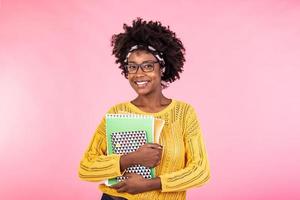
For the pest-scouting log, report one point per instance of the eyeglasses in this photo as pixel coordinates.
(146, 67)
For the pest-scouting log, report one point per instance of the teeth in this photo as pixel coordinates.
(141, 82)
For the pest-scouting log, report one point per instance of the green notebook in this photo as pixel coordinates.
(125, 133)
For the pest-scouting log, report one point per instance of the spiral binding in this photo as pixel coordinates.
(127, 116)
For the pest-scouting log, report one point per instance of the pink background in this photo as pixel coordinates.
(57, 79)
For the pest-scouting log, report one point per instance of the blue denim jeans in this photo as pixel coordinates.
(109, 197)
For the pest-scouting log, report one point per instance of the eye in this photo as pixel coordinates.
(131, 67)
(148, 66)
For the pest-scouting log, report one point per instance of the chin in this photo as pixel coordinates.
(142, 92)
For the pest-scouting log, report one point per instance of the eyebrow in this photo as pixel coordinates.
(143, 61)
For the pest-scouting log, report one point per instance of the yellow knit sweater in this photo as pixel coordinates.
(184, 161)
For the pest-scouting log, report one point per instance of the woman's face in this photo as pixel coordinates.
(144, 83)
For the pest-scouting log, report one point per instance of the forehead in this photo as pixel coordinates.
(140, 56)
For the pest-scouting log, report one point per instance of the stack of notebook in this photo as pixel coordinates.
(125, 133)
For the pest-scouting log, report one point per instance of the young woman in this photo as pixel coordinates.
(150, 57)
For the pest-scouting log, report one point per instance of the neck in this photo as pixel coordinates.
(150, 100)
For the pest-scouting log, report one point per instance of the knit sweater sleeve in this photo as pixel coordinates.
(95, 164)
(196, 171)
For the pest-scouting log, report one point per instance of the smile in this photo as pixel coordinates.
(141, 84)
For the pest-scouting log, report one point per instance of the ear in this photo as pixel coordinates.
(162, 71)
(164, 84)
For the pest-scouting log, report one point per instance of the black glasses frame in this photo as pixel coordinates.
(142, 65)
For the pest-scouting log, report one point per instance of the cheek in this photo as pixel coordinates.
(156, 77)
(130, 78)
(131, 83)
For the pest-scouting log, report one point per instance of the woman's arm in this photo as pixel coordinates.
(95, 164)
(197, 170)
(135, 184)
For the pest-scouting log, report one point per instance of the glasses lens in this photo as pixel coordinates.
(131, 68)
(148, 67)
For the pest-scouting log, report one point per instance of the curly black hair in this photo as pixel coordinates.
(151, 33)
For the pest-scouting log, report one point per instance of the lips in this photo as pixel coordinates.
(141, 83)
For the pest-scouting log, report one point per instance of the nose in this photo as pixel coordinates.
(139, 70)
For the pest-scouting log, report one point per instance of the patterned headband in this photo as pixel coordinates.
(157, 54)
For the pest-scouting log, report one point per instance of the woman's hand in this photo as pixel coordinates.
(135, 184)
(148, 155)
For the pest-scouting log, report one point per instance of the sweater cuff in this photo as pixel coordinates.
(163, 181)
(116, 164)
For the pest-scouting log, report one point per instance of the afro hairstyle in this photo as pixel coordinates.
(151, 33)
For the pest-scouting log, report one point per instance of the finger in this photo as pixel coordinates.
(128, 175)
(122, 189)
(133, 175)
(118, 185)
(154, 145)
(160, 154)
